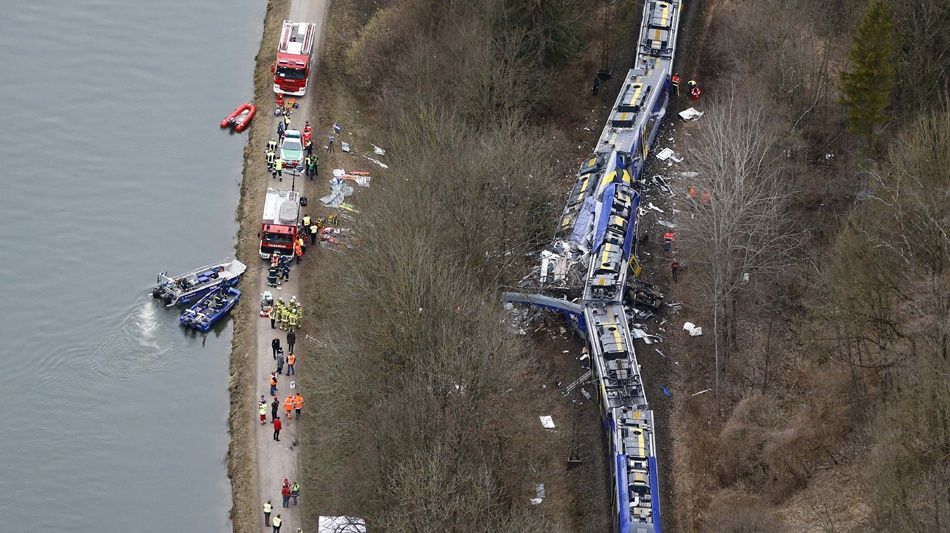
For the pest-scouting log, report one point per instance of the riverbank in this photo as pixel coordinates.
(243, 386)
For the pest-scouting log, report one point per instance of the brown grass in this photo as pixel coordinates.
(242, 449)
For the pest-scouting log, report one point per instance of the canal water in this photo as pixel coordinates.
(113, 168)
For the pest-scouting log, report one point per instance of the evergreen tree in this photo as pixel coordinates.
(867, 85)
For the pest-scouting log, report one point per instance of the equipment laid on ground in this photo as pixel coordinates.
(292, 66)
(208, 310)
(240, 118)
(188, 287)
(279, 223)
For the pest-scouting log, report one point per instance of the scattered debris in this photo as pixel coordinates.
(345, 146)
(700, 392)
(377, 161)
(666, 392)
(585, 393)
(539, 494)
(665, 154)
(655, 208)
(666, 223)
(377, 150)
(657, 350)
(661, 183)
(547, 422)
(574, 384)
(690, 114)
(693, 329)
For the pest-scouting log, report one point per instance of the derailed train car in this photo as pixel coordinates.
(598, 226)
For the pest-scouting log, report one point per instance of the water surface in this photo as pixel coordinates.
(112, 168)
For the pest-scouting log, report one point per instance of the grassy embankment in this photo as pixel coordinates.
(242, 381)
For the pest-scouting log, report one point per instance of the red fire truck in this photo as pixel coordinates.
(279, 223)
(292, 68)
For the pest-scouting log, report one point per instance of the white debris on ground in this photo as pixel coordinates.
(539, 494)
(345, 146)
(690, 114)
(547, 422)
(693, 329)
(377, 161)
(377, 150)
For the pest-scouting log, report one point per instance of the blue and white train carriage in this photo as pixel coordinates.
(599, 220)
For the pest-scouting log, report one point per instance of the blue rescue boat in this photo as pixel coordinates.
(208, 310)
(189, 287)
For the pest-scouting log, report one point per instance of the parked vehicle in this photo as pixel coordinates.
(279, 223)
(291, 149)
(294, 52)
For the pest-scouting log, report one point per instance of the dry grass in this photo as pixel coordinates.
(242, 449)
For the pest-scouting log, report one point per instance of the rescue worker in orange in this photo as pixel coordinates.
(675, 82)
(298, 404)
(273, 384)
(291, 360)
(298, 250)
(288, 405)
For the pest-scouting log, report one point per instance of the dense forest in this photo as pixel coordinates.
(820, 265)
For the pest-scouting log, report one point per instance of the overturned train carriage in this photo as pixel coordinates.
(599, 224)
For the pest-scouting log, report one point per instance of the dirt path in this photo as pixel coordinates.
(278, 460)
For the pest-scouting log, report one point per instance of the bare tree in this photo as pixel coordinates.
(739, 224)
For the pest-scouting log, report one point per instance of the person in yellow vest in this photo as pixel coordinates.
(306, 220)
(272, 145)
(294, 320)
(268, 509)
(278, 169)
(276, 523)
(270, 155)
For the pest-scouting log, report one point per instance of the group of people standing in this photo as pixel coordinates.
(293, 405)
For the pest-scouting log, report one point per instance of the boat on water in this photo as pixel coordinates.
(208, 310)
(191, 286)
(240, 118)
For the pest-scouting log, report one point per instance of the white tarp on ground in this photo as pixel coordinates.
(690, 114)
(547, 421)
(341, 524)
(693, 329)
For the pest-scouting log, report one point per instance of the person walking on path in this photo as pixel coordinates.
(330, 140)
(313, 234)
(298, 404)
(280, 363)
(285, 492)
(277, 426)
(274, 344)
(289, 405)
(291, 360)
(675, 268)
(295, 491)
(277, 522)
(291, 340)
(273, 384)
(268, 509)
(273, 319)
(262, 410)
(274, 406)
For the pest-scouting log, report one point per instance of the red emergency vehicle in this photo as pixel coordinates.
(279, 223)
(292, 67)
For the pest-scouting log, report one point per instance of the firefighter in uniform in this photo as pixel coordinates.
(675, 83)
